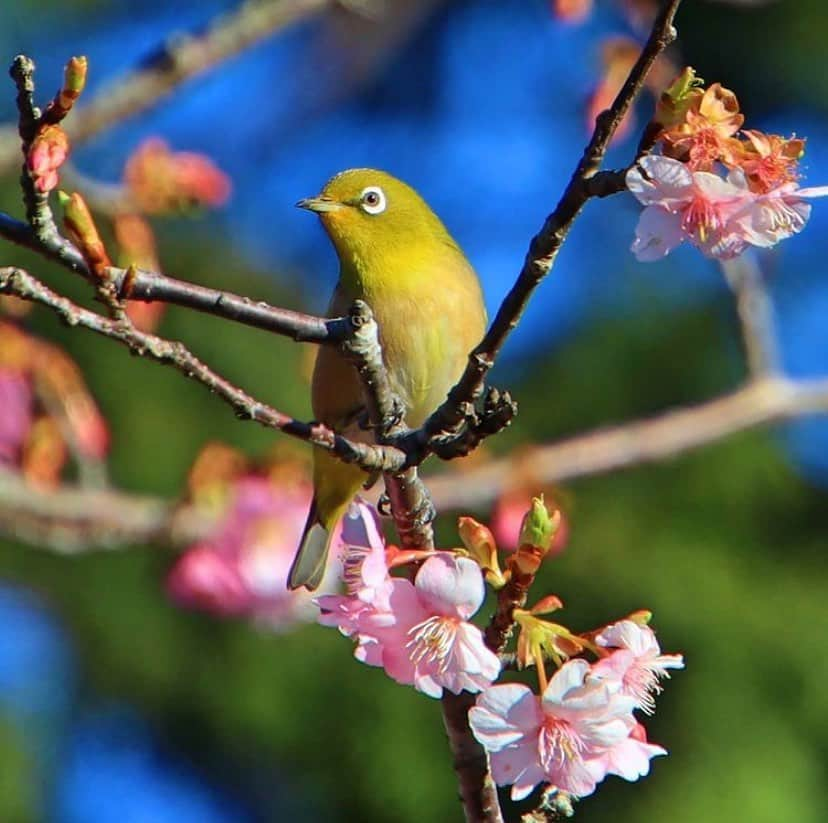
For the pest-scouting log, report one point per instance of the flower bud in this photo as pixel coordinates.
(47, 153)
(74, 77)
(538, 527)
(162, 181)
(79, 224)
(678, 98)
(480, 544)
(642, 617)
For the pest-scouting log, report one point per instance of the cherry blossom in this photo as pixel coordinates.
(720, 216)
(418, 632)
(571, 737)
(706, 133)
(636, 661)
(770, 161)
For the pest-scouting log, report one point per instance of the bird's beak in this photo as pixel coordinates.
(319, 204)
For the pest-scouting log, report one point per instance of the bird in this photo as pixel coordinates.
(395, 254)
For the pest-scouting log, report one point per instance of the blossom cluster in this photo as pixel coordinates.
(581, 725)
(715, 185)
(240, 568)
(419, 631)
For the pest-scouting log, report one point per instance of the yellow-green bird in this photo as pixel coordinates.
(397, 255)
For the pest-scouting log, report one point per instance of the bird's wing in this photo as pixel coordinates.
(336, 393)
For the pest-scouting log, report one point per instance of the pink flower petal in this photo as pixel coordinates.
(504, 714)
(451, 585)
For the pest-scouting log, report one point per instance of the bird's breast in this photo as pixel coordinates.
(426, 338)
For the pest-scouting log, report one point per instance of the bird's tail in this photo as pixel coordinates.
(309, 564)
(335, 484)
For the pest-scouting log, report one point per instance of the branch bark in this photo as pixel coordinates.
(112, 518)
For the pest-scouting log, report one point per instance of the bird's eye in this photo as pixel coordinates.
(372, 200)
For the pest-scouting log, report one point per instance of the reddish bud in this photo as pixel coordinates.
(80, 225)
(47, 153)
(480, 544)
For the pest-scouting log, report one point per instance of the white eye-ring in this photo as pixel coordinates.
(372, 200)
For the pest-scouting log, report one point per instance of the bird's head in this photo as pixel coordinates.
(374, 220)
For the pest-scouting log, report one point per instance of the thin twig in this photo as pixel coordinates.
(755, 310)
(41, 233)
(545, 245)
(180, 59)
(137, 284)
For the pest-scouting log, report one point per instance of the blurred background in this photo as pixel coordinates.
(117, 705)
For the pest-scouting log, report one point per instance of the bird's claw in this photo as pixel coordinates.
(384, 505)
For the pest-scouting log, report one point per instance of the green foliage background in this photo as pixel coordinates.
(724, 545)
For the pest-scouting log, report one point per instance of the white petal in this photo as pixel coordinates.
(813, 191)
(658, 179)
(568, 678)
(714, 187)
(504, 715)
(658, 232)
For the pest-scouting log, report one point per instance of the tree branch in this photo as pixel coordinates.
(139, 284)
(43, 234)
(371, 458)
(75, 520)
(412, 511)
(764, 401)
(146, 519)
